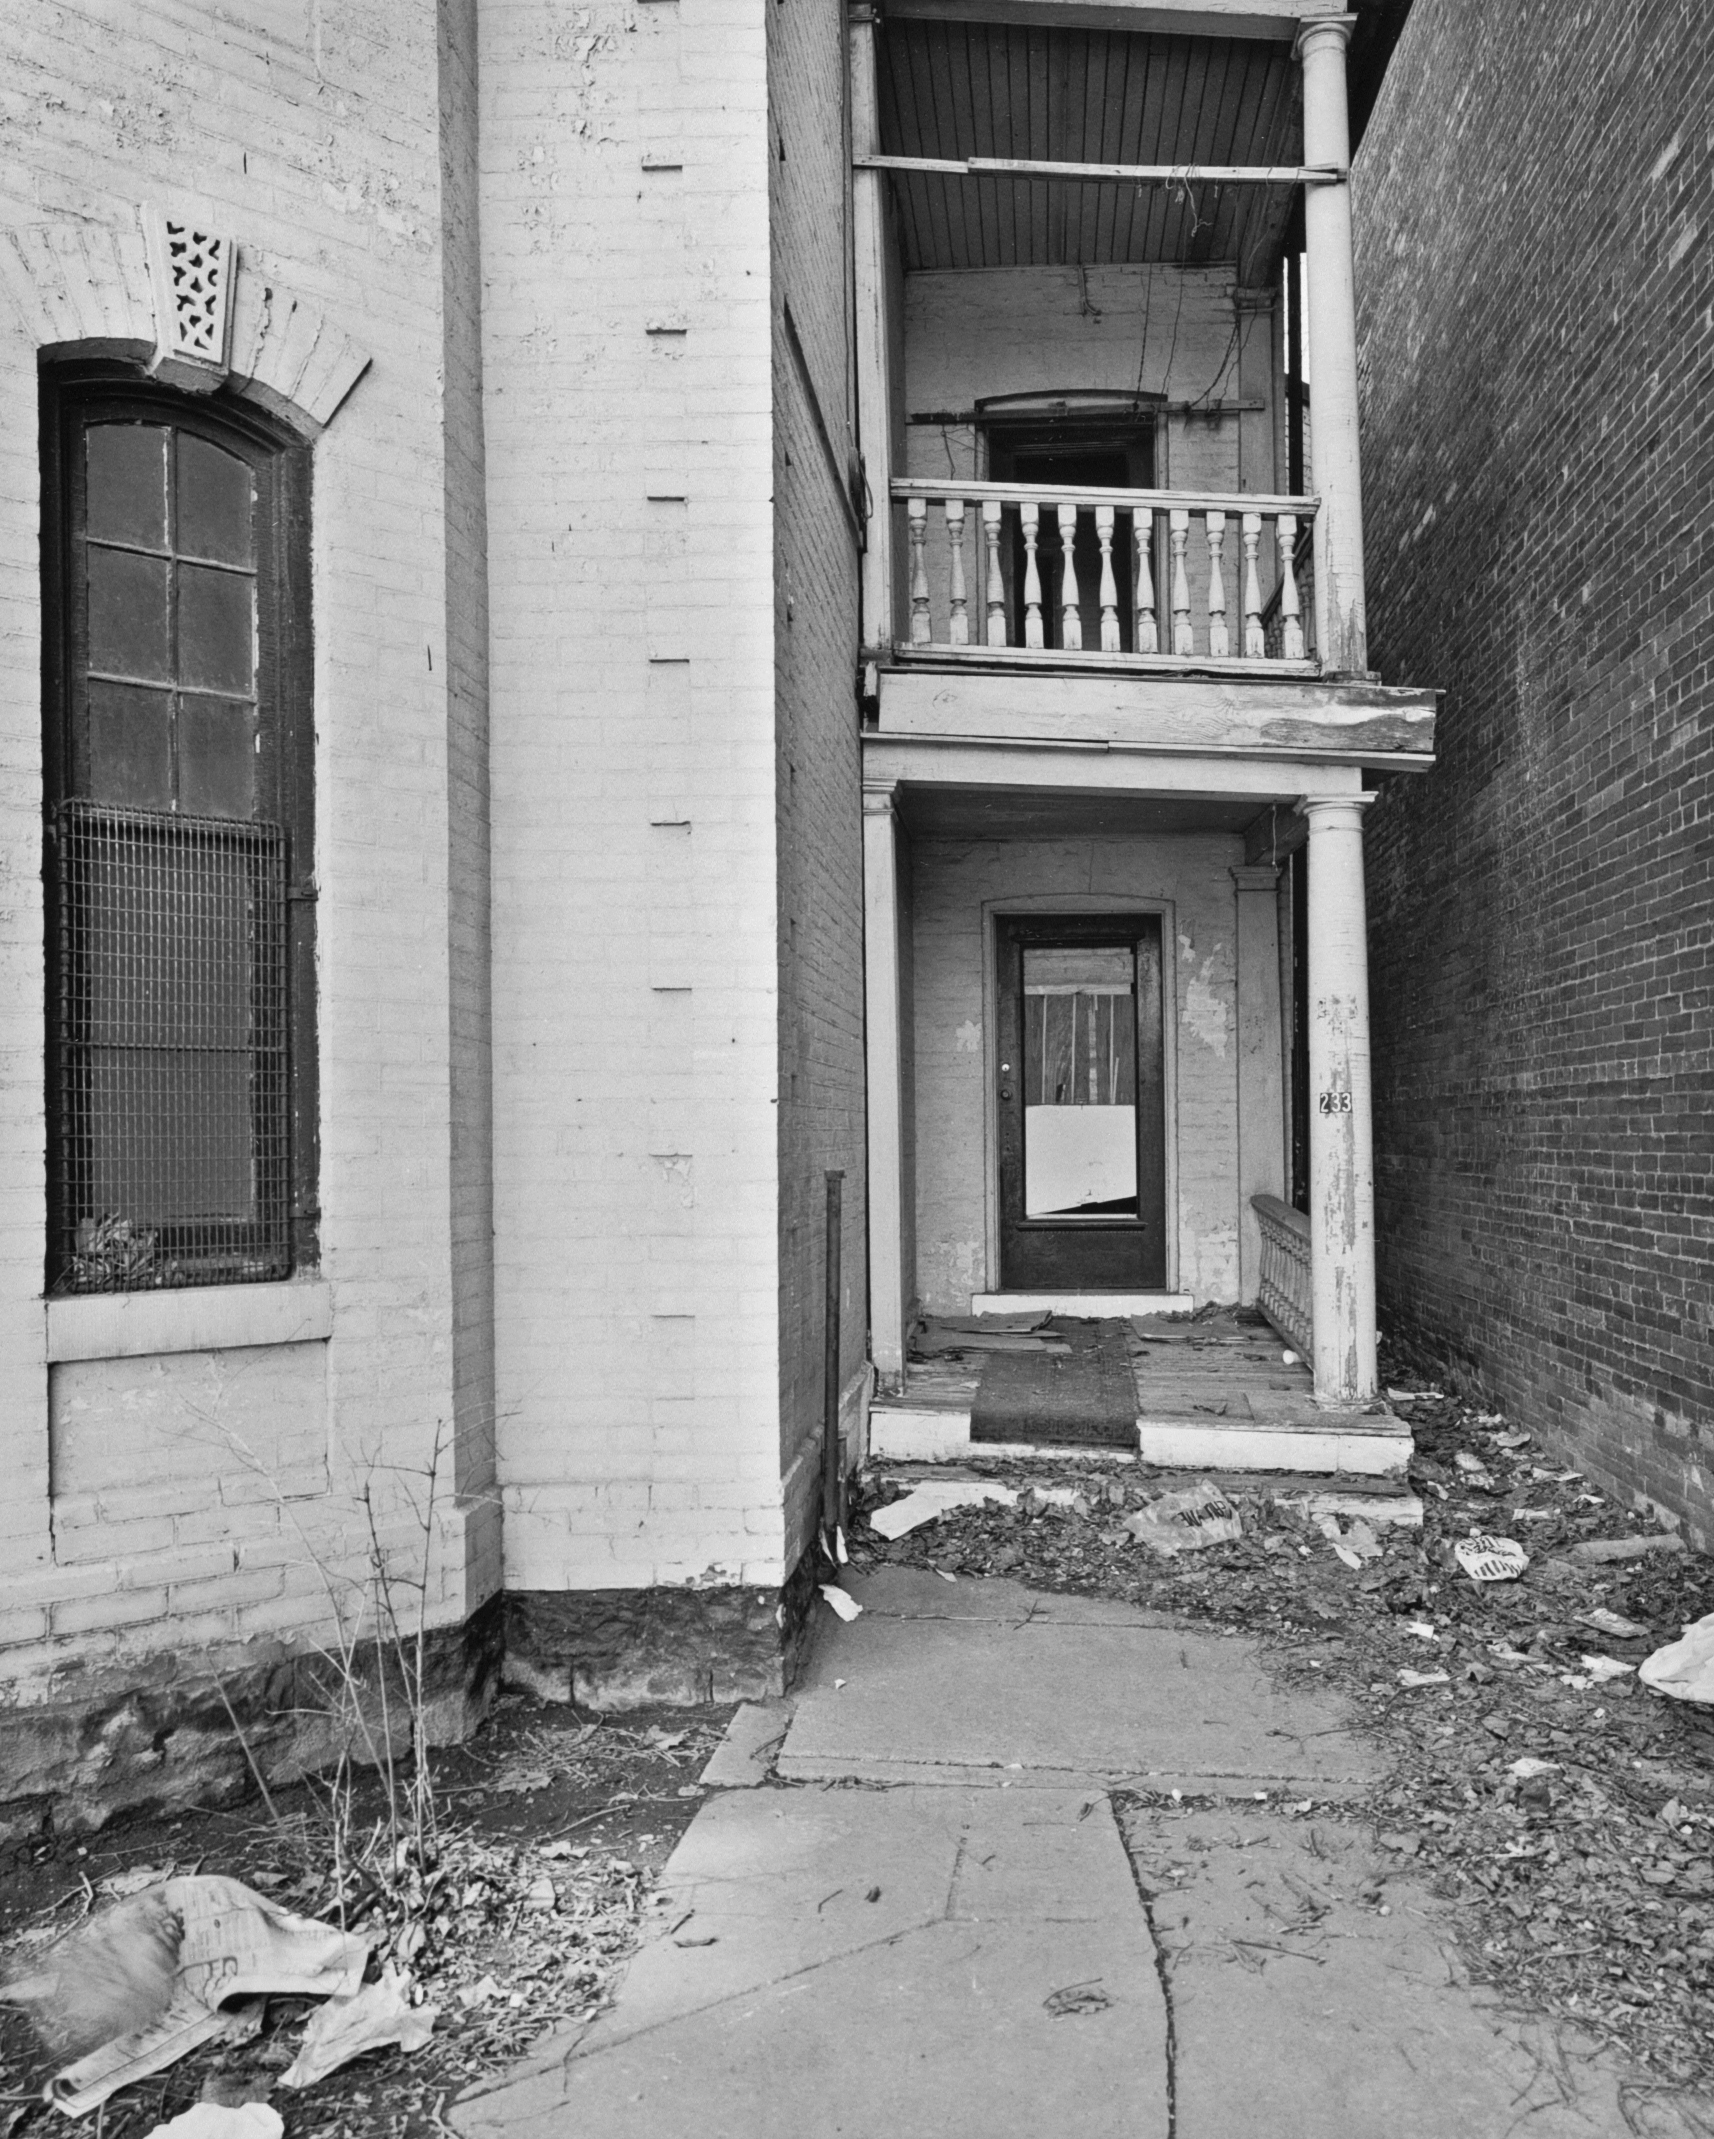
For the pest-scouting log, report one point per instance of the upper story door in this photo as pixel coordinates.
(1087, 457)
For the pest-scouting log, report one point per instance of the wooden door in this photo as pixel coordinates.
(1081, 1113)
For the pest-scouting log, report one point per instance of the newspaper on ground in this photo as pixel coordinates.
(232, 1943)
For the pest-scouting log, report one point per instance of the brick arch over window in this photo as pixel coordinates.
(83, 290)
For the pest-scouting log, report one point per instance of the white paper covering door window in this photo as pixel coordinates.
(1080, 1083)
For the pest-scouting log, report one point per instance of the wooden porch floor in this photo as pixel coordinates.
(1217, 1394)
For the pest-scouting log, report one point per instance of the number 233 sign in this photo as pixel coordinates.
(1335, 1103)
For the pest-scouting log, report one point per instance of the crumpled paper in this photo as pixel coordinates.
(1186, 1522)
(233, 1943)
(379, 2014)
(1684, 1669)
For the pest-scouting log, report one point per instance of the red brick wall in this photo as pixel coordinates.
(1535, 202)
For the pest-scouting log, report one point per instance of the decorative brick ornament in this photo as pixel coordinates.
(193, 274)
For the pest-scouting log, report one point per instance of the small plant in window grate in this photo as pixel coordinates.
(170, 1050)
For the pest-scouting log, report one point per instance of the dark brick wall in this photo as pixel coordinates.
(1535, 199)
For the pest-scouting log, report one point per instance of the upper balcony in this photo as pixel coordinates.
(1107, 417)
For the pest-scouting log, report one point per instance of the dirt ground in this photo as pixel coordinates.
(552, 1828)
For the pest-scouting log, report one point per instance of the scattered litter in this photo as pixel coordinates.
(541, 1897)
(471, 1995)
(841, 1600)
(1475, 1471)
(1511, 1439)
(118, 1885)
(1086, 1997)
(1288, 1359)
(1601, 1550)
(1603, 1668)
(1613, 1623)
(1355, 1546)
(946, 1574)
(1408, 1677)
(1421, 1629)
(377, 2016)
(927, 1502)
(519, 1781)
(1491, 1559)
(216, 2120)
(1187, 1521)
(1529, 1767)
(131, 1986)
(1684, 1669)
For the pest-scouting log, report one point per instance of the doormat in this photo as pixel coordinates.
(1082, 1398)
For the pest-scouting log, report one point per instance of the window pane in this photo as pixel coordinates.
(216, 637)
(217, 758)
(172, 1037)
(128, 614)
(130, 746)
(216, 494)
(127, 478)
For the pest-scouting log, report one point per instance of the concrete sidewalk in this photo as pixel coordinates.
(935, 1910)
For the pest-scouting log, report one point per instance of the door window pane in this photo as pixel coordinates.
(126, 489)
(1080, 1082)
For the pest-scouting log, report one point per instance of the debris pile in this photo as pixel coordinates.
(1489, 1625)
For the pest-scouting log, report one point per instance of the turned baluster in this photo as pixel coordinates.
(1183, 639)
(1029, 515)
(1291, 627)
(995, 582)
(958, 626)
(921, 631)
(1255, 641)
(1109, 585)
(1148, 626)
(1219, 640)
(1070, 594)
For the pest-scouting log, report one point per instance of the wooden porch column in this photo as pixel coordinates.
(874, 354)
(1330, 315)
(1341, 1145)
(1261, 1093)
(884, 1010)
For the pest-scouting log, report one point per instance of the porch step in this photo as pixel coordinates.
(1328, 1444)
(1082, 1306)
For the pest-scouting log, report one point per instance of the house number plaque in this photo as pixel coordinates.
(1336, 1102)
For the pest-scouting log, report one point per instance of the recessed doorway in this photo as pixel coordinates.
(1080, 1103)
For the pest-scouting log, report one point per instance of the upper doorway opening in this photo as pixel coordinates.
(1089, 442)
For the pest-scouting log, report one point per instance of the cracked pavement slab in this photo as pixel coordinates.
(988, 1951)
(862, 1961)
(1299, 2011)
(987, 1681)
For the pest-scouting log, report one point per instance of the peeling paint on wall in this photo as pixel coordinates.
(968, 1037)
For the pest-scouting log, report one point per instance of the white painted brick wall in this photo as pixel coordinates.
(311, 134)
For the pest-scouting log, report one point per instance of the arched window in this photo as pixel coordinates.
(178, 753)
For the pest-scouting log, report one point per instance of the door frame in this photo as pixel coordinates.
(1043, 905)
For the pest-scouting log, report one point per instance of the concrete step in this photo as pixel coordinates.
(1328, 1444)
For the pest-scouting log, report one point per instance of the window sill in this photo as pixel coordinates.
(203, 1318)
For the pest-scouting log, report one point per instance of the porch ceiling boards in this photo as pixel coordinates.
(961, 89)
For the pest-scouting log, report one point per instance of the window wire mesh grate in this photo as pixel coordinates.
(170, 1042)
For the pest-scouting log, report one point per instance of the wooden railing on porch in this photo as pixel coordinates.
(1284, 1295)
(1169, 579)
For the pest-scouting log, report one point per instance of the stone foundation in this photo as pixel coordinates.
(614, 1649)
(157, 1735)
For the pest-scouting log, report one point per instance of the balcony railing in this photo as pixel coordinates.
(1146, 578)
(1283, 1294)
